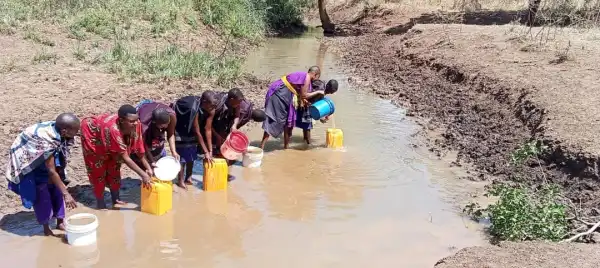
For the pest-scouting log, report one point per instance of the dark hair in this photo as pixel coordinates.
(331, 87)
(235, 93)
(314, 69)
(67, 121)
(258, 115)
(161, 116)
(208, 96)
(126, 110)
(318, 84)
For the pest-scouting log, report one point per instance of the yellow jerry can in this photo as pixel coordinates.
(335, 138)
(157, 200)
(215, 175)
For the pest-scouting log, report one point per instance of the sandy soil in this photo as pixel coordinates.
(487, 90)
(524, 255)
(32, 93)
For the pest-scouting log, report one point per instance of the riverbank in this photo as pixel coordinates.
(484, 91)
(63, 57)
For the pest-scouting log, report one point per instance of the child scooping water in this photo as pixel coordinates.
(304, 121)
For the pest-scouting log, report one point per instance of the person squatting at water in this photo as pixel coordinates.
(282, 101)
(193, 115)
(156, 119)
(35, 171)
(304, 120)
(233, 112)
(107, 141)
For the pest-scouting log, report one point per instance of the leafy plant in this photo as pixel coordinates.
(526, 151)
(521, 214)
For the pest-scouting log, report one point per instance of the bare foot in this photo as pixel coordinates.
(47, 230)
(189, 182)
(119, 204)
(182, 185)
(60, 225)
(100, 205)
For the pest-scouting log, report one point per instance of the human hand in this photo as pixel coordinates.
(208, 158)
(146, 181)
(149, 171)
(305, 102)
(69, 201)
(176, 156)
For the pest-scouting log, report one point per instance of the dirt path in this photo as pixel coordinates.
(485, 91)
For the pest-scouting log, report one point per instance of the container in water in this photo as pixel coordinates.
(335, 138)
(235, 145)
(321, 108)
(215, 175)
(252, 157)
(81, 229)
(157, 200)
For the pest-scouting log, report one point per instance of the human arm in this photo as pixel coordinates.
(137, 169)
(196, 126)
(304, 89)
(171, 136)
(236, 120)
(55, 179)
(208, 132)
(220, 139)
(148, 153)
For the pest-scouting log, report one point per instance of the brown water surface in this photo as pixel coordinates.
(377, 203)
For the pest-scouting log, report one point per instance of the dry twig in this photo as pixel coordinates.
(588, 232)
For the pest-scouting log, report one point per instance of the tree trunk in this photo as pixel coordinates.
(328, 27)
(534, 5)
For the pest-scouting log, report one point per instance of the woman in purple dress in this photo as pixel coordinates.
(283, 98)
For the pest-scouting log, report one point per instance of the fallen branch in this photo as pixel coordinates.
(588, 232)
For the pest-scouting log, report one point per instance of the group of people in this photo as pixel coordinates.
(192, 125)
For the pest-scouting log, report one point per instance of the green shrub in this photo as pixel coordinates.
(239, 18)
(282, 15)
(521, 214)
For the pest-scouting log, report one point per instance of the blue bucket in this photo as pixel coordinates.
(321, 109)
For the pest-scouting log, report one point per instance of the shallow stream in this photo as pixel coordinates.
(380, 202)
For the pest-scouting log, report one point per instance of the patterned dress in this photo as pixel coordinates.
(103, 143)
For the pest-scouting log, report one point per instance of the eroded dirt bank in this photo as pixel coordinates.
(484, 91)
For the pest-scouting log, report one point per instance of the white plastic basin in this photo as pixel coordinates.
(81, 229)
(167, 168)
(253, 157)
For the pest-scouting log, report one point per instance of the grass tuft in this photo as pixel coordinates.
(37, 38)
(45, 57)
(172, 63)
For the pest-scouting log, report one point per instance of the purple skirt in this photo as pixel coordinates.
(187, 154)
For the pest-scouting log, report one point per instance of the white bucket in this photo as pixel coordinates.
(167, 168)
(81, 234)
(252, 157)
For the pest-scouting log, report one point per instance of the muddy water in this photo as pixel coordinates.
(379, 202)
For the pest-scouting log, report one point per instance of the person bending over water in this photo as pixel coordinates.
(304, 121)
(156, 119)
(283, 99)
(108, 140)
(232, 113)
(36, 165)
(193, 115)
